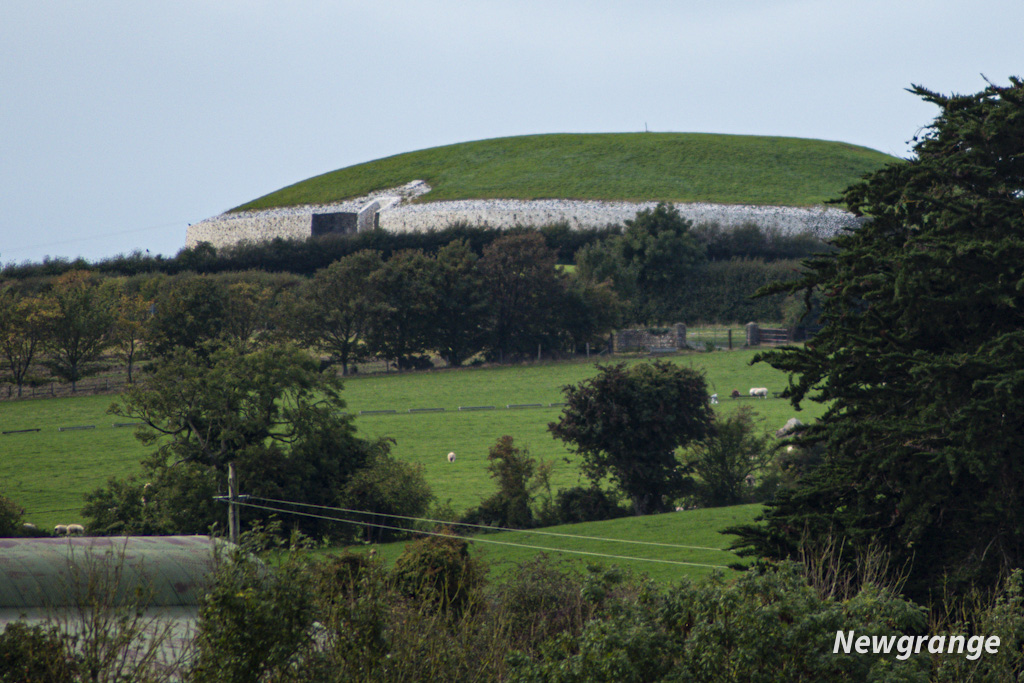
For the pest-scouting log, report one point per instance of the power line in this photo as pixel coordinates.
(91, 237)
(490, 528)
(474, 539)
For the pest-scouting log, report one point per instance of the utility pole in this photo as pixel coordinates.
(232, 506)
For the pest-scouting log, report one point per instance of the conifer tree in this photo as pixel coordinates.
(921, 359)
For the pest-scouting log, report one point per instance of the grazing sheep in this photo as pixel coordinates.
(29, 526)
(451, 457)
(76, 529)
(61, 529)
(759, 392)
(680, 508)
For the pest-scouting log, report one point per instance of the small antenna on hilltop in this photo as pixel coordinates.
(645, 127)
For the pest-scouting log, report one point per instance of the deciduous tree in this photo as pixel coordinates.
(332, 311)
(79, 325)
(524, 291)
(648, 264)
(189, 311)
(132, 314)
(23, 327)
(628, 422)
(460, 304)
(402, 307)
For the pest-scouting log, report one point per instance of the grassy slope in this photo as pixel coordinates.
(663, 563)
(686, 167)
(51, 470)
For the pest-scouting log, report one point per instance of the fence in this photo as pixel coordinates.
(778, 336)
(85, 387)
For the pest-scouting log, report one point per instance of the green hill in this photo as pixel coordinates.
(681, 167)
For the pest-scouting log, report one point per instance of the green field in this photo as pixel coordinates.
(659, 552)
(50, 471)
(682, 167)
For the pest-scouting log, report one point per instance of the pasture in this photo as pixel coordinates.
(49, 471)
(654, 544)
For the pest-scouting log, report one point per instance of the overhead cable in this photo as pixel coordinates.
(476, 539)
(491, 528)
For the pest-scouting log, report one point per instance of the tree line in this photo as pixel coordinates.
(502, 305)
(305, 256)
(491, 295)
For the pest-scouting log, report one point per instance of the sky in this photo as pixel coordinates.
(122, 122)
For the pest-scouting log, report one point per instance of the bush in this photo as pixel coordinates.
(519, 478)
(541, 599)
(729, 461)
(439, 569)
(34, 654)
(391, 488)
(768, 626)
(10, 517)
(586, 504)
(252, 622)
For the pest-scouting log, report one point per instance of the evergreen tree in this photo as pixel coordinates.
(921, 359)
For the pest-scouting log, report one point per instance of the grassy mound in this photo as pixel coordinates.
(681, 167)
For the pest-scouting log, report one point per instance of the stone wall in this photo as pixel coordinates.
(391, 210)
(505, 213)
(645, 339)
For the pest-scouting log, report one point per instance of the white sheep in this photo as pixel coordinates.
(714, 399)
(759, 392)
(451, 457)
(61, 529)
(76, 529)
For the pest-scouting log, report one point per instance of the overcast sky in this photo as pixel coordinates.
(123, 122)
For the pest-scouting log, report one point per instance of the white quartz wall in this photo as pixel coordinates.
(508, 213)
(396, 215)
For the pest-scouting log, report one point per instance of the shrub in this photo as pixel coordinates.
(519, 479)
(728, 461)
(389, 487)
(768, 625)
(439, 569)
(252, 622)
(35, 654)
(541, 599)
(586, 504)
(10, 517)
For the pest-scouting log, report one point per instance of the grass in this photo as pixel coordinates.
(697, 528)
(681, 167)
(51, 471)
